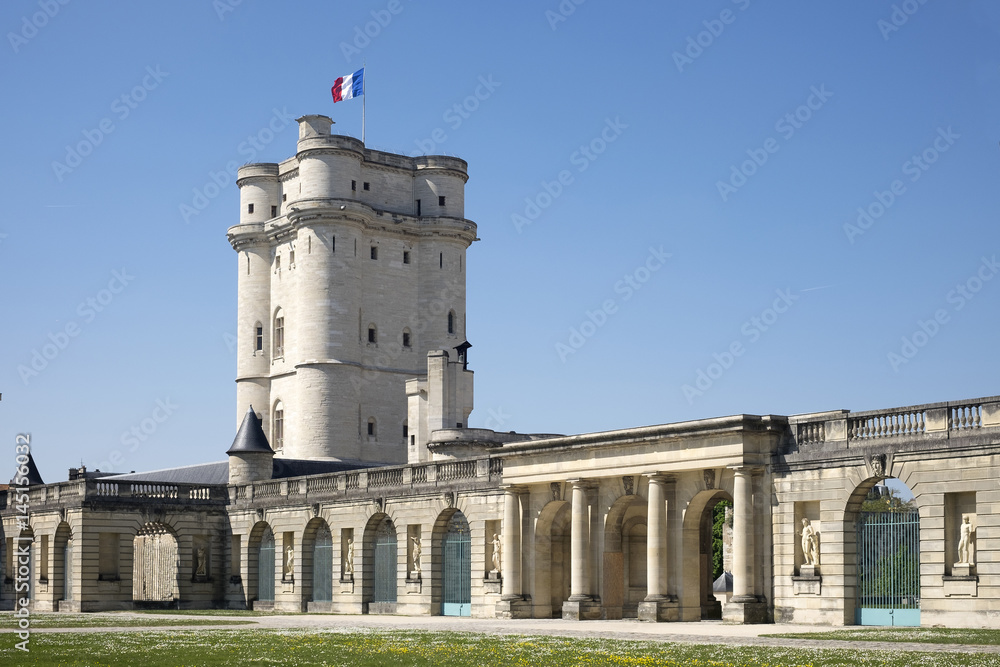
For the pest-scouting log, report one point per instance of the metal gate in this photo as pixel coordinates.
(888, 568)
(322, 584)
(385, 563)
(456, 595)
(265, 568)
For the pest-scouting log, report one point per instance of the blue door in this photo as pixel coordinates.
(322, 583)
(265, 568)
(456, 594)
(888, 568)
(385, 563)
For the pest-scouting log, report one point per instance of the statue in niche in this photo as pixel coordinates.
(810, 543)
(289, 562)
(966, 549)
(349, 562)
(497, 550)
(416, 554)
(201, 562)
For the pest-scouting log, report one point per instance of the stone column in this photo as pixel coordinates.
(579, 586)
(512, 603)
(656, 540)
(744, 606)
(581, 604)
(743, 542)
(511, 554)
(658, 606)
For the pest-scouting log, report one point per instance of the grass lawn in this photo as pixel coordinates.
(361, 648)
(104, 620)
(921, 635)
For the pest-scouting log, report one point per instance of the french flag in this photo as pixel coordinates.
(346, 87)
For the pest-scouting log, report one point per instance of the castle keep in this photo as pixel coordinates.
(354, 483)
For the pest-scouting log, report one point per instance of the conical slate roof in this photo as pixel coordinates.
(33, 476)
(250, 437)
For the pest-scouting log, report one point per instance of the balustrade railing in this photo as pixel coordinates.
(963, 417)
(453, 470)
(886, 425)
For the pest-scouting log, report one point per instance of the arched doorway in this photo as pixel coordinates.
(63, 566)
(317, 566)
(456, 567)
(624, 580)
(883, 516)
(697, 562)
(552, 557)
(381, 571)
(154, 566)
(265, 567)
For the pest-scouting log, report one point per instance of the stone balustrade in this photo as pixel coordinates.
(932, 420)
(385, 479)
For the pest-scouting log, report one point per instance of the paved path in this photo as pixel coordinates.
(705, 632)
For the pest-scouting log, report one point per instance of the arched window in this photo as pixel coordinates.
(278, 427)
(451, 321)
(372, 431)
(407, 341)
(279, 334)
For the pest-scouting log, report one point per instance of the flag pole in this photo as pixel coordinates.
(364, 96)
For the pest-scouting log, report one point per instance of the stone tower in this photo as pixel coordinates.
(351, 267)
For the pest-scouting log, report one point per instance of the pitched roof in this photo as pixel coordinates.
(250, 437)
(218, 471)
(33, 477)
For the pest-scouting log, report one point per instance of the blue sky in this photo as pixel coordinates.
(739, 138)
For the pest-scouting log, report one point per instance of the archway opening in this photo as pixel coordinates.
(154, 567)
(884, 522)
(317, 561)
(62, 573)
(260, 567)
(381, 566)
(704, 518)
(552, 558)
(452, 563)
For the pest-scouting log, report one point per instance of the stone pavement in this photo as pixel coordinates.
(705, 632)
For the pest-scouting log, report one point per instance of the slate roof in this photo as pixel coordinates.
(33, 476)
(250, 437)
(218, 472)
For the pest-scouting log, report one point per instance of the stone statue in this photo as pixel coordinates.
(810, 539)
(965, 547)
(289, 562)
(349, 564)
(878, 465)
(497, 551)
(416, 554)
(201, 562)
